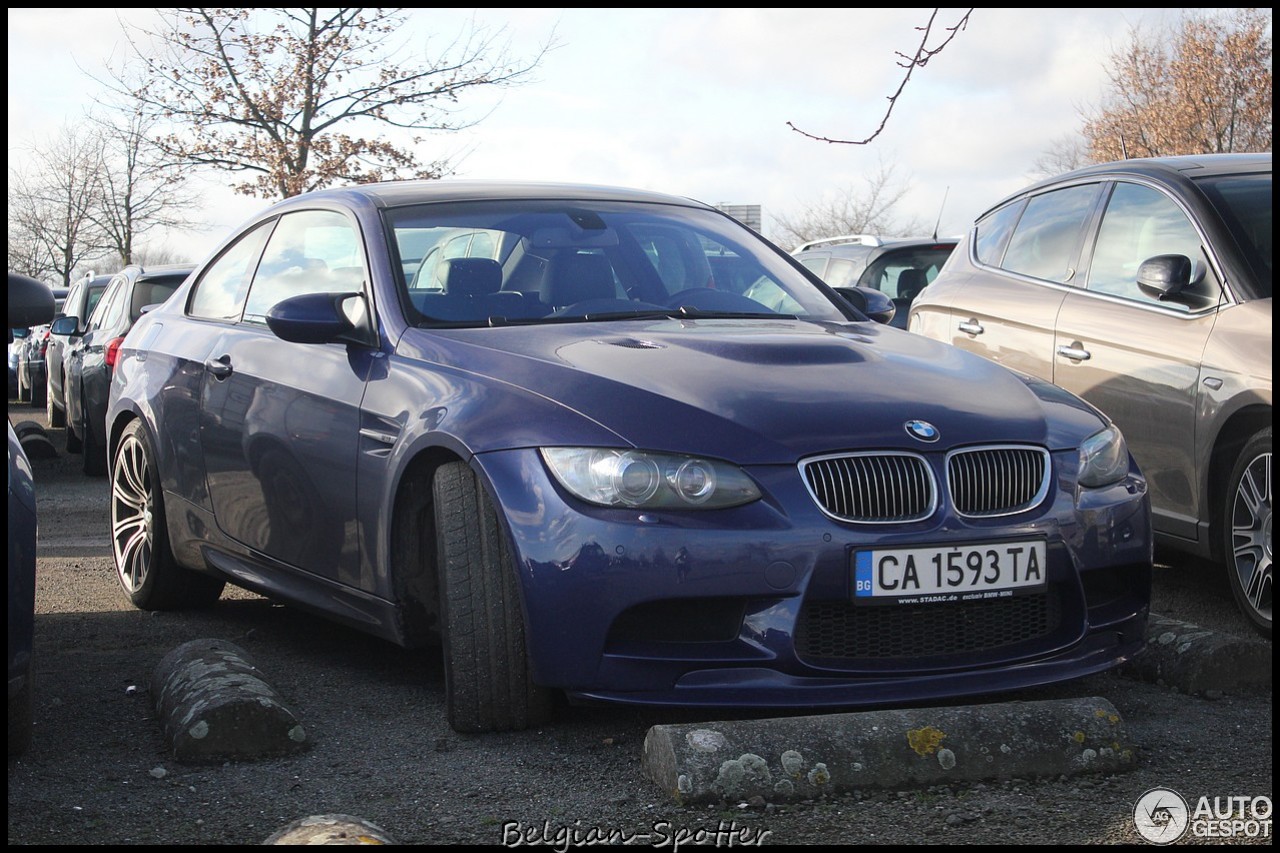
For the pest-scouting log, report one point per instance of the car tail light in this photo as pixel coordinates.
(44, 343)
(113, 351)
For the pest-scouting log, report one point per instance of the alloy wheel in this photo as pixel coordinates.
(131, 513)
(1251, 534)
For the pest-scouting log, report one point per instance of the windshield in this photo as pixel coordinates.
(540, 261)
(1244, 201)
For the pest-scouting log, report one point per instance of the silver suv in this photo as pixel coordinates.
(1143, 286)
(899, 268)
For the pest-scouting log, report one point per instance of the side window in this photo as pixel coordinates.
(111, 308)
(73, 299)
(1047, 238)
(1140, 223)
(993, 232)
(313, 251)
(816, 263)
(840, 273)
(95, 296)
(219, 294)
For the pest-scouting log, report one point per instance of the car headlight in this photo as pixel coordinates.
(1104, 458)
(634, 478)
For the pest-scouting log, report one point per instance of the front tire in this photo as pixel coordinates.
(488, 687)
(145, 566)
(57, 416)
(1247, 527)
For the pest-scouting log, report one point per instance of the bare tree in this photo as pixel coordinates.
(139, 192)
(155, 256)
(281, 95)
(1204, 87)
(851, 210)
(919, 59)
(1064, 154)
(51, 205)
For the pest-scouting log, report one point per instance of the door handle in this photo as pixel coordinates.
(1075, 352)
(220, 367)
(972, 327)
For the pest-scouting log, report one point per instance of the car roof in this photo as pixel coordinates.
(1178, 170)
(398, 193)
(141, 273)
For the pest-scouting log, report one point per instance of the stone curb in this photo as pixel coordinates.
(330, 829)
(1197, 660)
(215, 705)
(803, 757)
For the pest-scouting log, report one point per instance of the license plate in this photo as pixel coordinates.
(952, 573)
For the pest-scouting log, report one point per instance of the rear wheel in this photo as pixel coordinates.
(1247, 526)
(145, 566)
(487, 682)
(94, 458)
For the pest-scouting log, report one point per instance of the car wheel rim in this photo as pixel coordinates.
(131, 514)
(1251, 534)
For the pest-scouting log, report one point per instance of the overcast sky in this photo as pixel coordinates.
(696, 101)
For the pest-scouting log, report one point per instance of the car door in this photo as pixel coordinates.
(279, 421)
(1007, 311)
(1135, 357)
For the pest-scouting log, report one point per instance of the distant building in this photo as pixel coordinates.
(747, 214)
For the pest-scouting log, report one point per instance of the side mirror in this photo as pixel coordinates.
(1173, 278)
(315, 318)
(869, 301)
(65, 325)
(1164, 276)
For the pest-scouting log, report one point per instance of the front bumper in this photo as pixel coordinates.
(752, 606)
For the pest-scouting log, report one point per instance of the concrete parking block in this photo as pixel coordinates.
(802, 757)
(330, 829)
(1198, 660)
(216, 705)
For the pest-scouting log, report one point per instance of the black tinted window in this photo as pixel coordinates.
(1244, 201)
(1046, 241)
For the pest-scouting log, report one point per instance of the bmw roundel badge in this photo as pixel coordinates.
(923, 430)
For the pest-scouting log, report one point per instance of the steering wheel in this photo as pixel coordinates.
(708, 299)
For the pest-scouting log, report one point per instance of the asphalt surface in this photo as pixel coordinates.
(100, 772)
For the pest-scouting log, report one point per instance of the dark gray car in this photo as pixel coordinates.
(89, 362)
(1143, 286)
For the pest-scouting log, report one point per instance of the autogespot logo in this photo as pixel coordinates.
(1161, 816)
(922, 430)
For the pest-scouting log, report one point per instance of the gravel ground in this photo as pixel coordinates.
(98, 772)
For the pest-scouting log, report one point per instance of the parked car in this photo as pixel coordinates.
(30, 302)
(81, 299)
(32, 384)
(899, 268)
(90, 359)
(17, 339)
(1144, 286)
(588, 471)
